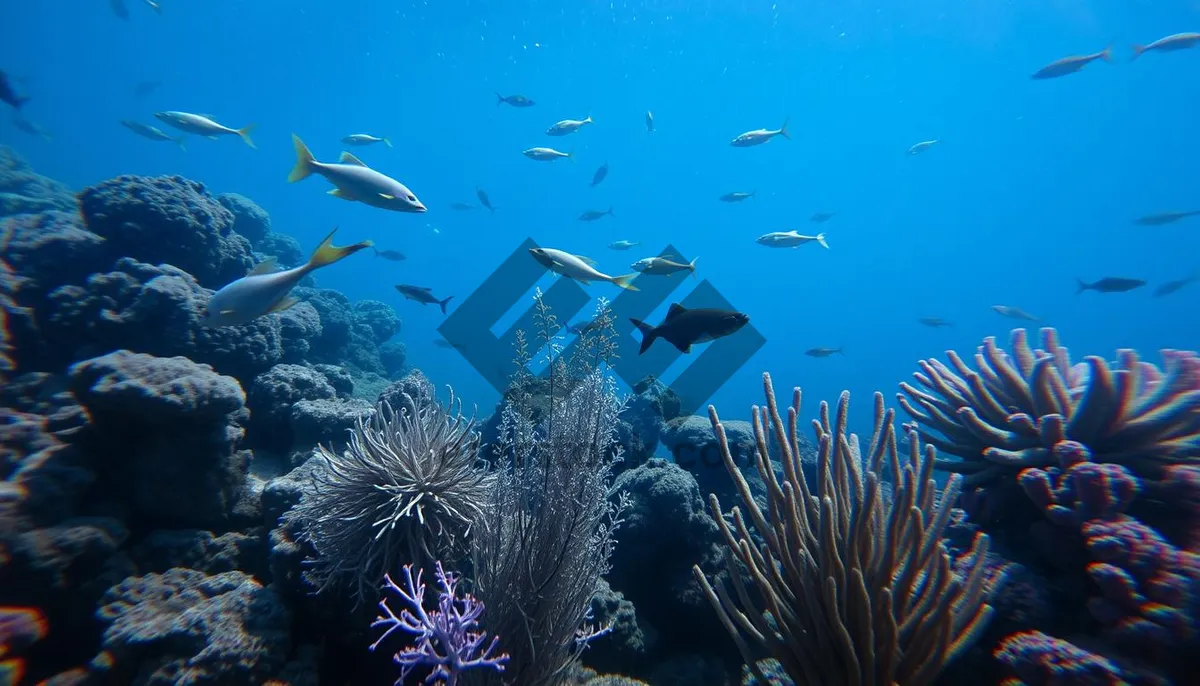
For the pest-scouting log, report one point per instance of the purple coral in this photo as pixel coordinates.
(447, 639)
(1040, 660)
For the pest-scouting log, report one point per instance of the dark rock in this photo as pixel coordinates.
(249, 220)
(272, 397)
(22, 191)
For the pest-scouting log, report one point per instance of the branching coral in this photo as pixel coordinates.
(858, 587)
(408, 486)
(1008, 414)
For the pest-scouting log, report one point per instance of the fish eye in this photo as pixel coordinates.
(412, 198)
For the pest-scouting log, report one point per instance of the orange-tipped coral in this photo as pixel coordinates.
(1008, 413)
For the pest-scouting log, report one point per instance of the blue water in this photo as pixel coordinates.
(1033, 183)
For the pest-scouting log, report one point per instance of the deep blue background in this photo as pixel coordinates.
(1033, 184)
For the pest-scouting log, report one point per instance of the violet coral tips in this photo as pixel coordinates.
(446, 641)
(849, 586)
(1008, 413)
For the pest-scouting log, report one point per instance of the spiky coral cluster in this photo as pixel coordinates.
(1040, 660)
(1010, 412)
(1147, 584)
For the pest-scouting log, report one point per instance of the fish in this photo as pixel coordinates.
(152, 132)
(355, 181)
(1070, 65)
(203, 125)
(568, 126)
(1164, 218)
(154, 5)
(8, 94)
(544, 154)
(661, 266)
(266, 289)
(578, 268)
(736, 196)
(393, 255)
(514, 100)
(1110, 284)
(684, 328)
(361, 139)
(789, 239)
(484, 200)
(934, 322)
(623, 245)
(600, 174)
(821, 217)
(423, 295)
(593, 215)
(1176, 41)
(760, 136)
(823, 352)
(144, 88)
(1014, 313)
(649, 121)
(1172, 286)
(462, 206)
(921, 147)
(30, 127)
(118, 8)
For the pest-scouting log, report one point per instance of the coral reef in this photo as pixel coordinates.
(22, 191)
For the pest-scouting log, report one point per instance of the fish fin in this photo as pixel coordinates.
(347, 158)
(1106, 54)
(692, 267)
(244, 132)
(267, 266)
(821, 241)
(499, 100)
(385, 196)
(387, 142)
(339, 193)
(442, 303)
(327, 253)
(304, 161)
(284, 304)
(1082, 286)
(610, 211)
(587, 260)
(783, 129)
(674, 311)
(625, 282)
(1137, 51)
(682, 346)
(648, 334)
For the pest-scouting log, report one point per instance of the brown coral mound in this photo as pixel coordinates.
(1008, 413)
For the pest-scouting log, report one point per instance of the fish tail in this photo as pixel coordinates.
(244, 132)
(387, 142)
(821, 241)
(692, 267)
(327, 253)
(499, 100)
(304, 161)
(1082, 286)
(626, 282)
(783, 129)
(442, 303)
(610, 211)
(1137, 51)
(648, 334)
(20, 100)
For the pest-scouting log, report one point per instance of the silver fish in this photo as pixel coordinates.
(568, 126)
(361, 139)
(1177, 41)
(152, 132)
(544, 154)
(789, 239)
(203, 125)
(921, 147)
(355, 181)
(579, 268)
(759, 136)
(661, 266)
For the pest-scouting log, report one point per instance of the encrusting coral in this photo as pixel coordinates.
(1009, 413)
(856, 588)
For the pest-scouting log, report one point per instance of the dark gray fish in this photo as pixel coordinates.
(462, 206)
(1172, 286)
(684, 328)
(144, 88)
(483, 200)
(119, 8)
(593, 215)
(736, 196)
(1014, 313)
(1110, 284)
(600, 174)
(934, 322)
(821, 217)
(152, 132)
(514, 100)
(422, 295)
(1164, 218)
(30, 127)
(585, 327)
(823, 352)
(8, 94)
(393, 255)
(1070, 65)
